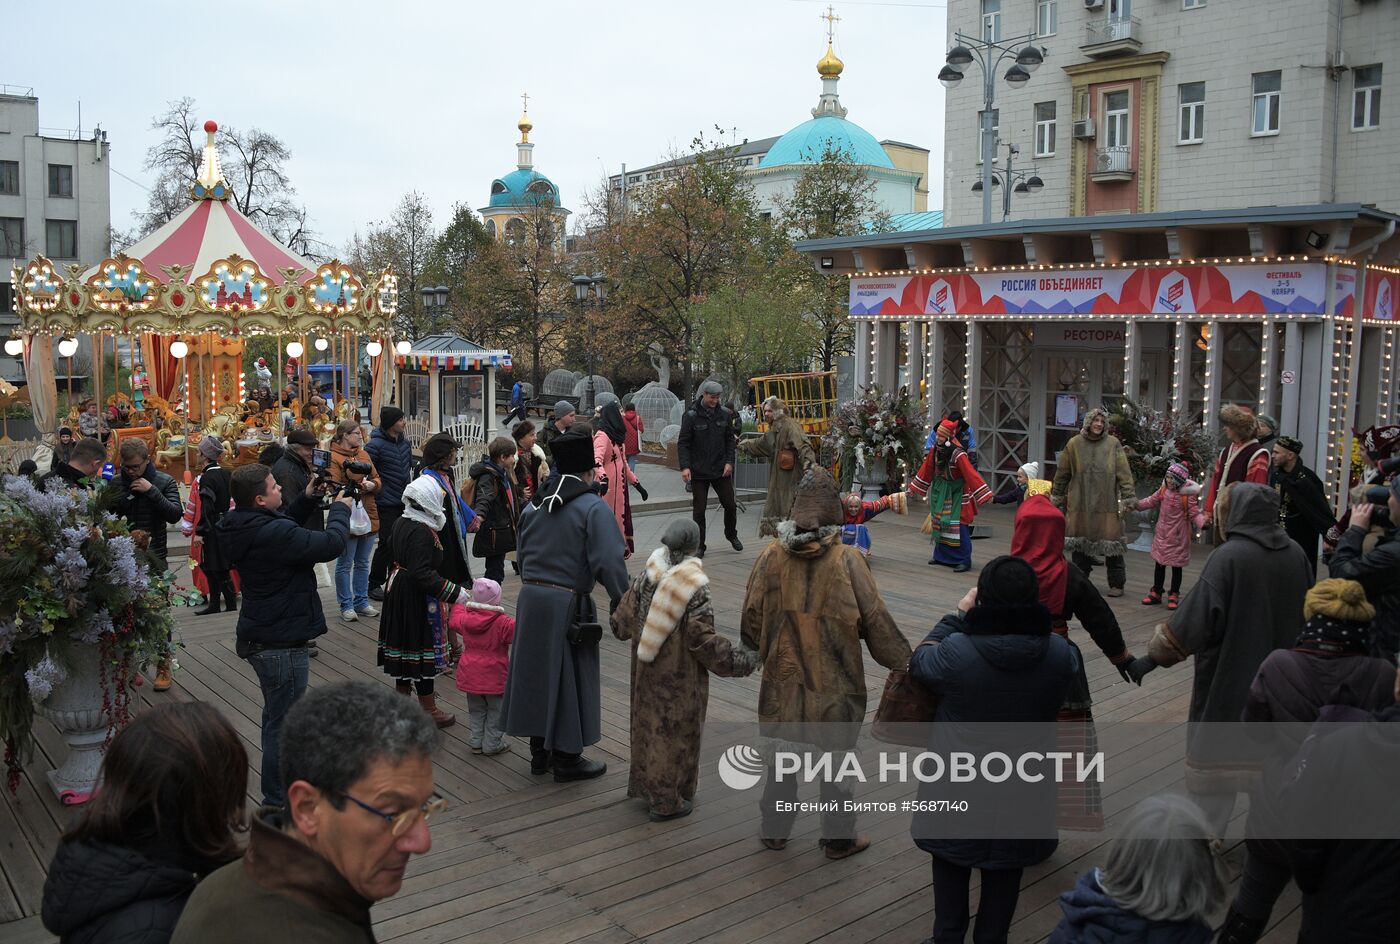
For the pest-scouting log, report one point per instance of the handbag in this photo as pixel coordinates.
(787, 458)
(359, 521)
(903, 703)
(580, 633)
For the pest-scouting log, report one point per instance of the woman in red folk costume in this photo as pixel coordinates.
(954, 490)
(1244, 458)
(1039, 540)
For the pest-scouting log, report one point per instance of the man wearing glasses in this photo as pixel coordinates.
(358, 764)
(148, 498)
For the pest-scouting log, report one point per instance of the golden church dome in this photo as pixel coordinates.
(829, 64)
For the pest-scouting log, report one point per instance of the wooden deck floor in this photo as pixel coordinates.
(519, 858)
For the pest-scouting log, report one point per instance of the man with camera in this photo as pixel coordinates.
(1378, 570)
(281, 613)
(302, 481)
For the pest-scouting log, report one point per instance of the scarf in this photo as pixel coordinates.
(464, 514)
(610, 421)
(1039, 540)
(676, 585)
(422, 502)
(1329, 636)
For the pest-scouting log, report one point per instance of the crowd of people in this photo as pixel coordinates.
(346, 774)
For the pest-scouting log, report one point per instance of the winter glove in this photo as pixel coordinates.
(641, 490)
(755, 661)
(1135, 670)
(600, 487)
(745, 662)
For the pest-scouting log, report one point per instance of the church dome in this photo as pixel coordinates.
(830, 65)
(524, 188)
(806, 143)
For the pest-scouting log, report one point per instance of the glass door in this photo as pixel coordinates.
(1069, 384)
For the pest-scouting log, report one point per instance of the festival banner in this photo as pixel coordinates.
(1382, 293)
(1298, 288)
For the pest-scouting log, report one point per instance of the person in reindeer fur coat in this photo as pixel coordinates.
(1091, 482)
(668, 616)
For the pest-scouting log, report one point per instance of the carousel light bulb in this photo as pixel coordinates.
(14, 347)
(374, 349)
(403, 347)
(322, 344)
(179, 350)
(294, 349)
(67, 347)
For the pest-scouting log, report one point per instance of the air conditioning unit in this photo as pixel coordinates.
(1093, 4)
(1084, 128)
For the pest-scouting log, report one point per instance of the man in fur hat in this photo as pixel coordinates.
(785, 445)
(1244, 458)
(568, 541)
(1092, 481)
(1303, 505)
(811, 600)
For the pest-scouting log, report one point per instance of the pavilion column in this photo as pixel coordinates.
(1386, 407)
(434, 398)
(914, 358)
(1215, 349)
(1326, 462)
(1293, 366)
(864, 359)
(972, 387)
(489, 420)
(1132, 359)
(1268, 358)
(1181, 369)
(887, 354)
(933, 368)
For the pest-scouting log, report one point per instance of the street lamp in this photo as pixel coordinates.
(990, 55)
(599, 286)
(1021, 181)
(435, 303)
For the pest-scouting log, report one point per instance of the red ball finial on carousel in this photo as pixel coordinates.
(211, 126)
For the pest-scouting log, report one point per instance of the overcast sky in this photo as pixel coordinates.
(375, 99)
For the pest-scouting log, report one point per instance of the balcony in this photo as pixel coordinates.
(1112, 36)
(1112, 164)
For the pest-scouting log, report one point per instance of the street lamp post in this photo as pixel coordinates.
(599, 286)
(435, 303)
(989, 55)
(1011, 180)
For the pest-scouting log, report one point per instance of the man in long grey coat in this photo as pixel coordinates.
(568, 540)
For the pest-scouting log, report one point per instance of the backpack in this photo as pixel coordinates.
(469, 492)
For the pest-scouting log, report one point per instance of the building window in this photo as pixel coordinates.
(1192, 4)
(1047, 17)
(1267, 91)
(1366, 98)
(991, 20)
(1115, 120)
(62, 242)
(996, 127)
(1191, 99)
(1120, 9)
(1044, 129)
(9, 177)
(60, 180)
(11, 237)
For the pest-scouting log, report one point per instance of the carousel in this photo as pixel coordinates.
(180, 306)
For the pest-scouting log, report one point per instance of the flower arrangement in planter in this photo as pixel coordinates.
(875, 432)
(1154, 439)
(74, 579)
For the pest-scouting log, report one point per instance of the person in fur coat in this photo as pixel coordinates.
(854, 532)
(1178, 513)
(1092, 481)
(668, 616)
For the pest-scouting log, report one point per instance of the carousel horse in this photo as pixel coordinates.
(171, 442)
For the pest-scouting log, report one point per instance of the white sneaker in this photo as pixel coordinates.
(349, 616)
(367, 611)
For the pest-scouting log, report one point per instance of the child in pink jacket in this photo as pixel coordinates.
(1178, 509)
(486, 632)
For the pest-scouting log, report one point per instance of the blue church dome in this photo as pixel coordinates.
(524, 188)
(806, 143)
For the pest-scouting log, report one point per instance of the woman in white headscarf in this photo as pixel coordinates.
(416, 595)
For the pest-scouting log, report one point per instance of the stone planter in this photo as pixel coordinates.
(1147, 520)
(75, 709)
(871, 480)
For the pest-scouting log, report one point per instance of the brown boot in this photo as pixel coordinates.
(404, 688)
(163, 680)
(441, 718)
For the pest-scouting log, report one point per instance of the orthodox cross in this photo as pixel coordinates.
(524, 101)
(831, 20)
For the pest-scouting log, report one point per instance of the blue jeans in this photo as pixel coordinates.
(352, 572)
(632, 464)
(282, 674)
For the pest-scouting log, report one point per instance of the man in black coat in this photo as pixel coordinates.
(392, 454)
(1304, 510)
(148, 499)
(706, 449)
(563, 420)
(301, 498)
(281, 610)
(1378, 570)
(82, 467)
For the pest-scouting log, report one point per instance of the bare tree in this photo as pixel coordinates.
(403, 242)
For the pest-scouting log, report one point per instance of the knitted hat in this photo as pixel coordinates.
(487, 591)
(681, 538)
(388, 416)
(1179, 473)
(211, 448)
(1265, 419)
(949, 426)
(1294, 446)
(438, 447)
(573, 453)
(1032, 470)
(1007, 581)
(1340, 599)
(563, 408)
(817, 503)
